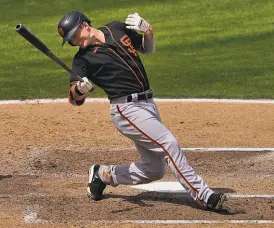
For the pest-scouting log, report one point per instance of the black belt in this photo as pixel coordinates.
(140, 96)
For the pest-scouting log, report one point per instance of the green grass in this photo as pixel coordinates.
(210, 48)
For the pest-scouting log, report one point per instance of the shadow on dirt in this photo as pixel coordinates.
(143, 200)
(5, 176)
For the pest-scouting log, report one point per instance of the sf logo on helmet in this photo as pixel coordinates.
(61, 32)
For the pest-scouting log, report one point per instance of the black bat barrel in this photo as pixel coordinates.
(30, 37)
(36, 42)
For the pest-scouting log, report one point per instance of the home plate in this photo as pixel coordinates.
(172, 187)
(176, 187)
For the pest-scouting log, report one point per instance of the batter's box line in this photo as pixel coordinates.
(37, 152)
(229, 149)
(195, 149)
(198, 149)
(34, 218)
(105, 100)
(31, 215)
(40, 195)
(191, 221)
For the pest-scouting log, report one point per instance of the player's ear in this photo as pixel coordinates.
(82, 25)
(85, 24)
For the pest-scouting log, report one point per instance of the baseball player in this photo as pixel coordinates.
(108, 57)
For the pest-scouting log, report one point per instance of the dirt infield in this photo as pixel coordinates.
(46, 150)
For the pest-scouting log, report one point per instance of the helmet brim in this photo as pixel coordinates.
(70, 34)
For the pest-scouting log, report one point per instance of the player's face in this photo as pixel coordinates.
(82, 36)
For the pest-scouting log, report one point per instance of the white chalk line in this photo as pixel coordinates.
(31, 215)
(32, 219)
(229, 195)
(186, 221)
(202, 100)
(249, 196)
(199, 149)
(229, 149)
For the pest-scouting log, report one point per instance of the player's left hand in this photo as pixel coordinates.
(84, 86)
(135, 22)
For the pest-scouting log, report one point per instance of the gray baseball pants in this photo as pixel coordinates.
(140, 121)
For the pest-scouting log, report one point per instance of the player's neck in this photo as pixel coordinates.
(97, 36)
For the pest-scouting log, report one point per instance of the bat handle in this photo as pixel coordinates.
(78, 78)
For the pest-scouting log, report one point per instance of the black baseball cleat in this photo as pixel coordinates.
(95, 186)
(215, 202)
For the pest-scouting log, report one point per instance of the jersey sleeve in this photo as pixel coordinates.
(79, 67)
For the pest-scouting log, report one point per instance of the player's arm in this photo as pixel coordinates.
(136, 23)
(78, 89)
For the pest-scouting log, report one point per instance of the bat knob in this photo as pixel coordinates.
(18, 27)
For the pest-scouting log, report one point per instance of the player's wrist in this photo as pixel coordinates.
(78, 92)
(149, 30)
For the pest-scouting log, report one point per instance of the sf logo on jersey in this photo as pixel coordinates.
(125, 40)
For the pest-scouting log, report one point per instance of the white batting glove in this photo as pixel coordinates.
(135, 22)
(84, 86)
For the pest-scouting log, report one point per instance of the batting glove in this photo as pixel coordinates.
(84, 86)
(135, 22)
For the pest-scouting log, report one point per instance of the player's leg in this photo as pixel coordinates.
(151, 168)
(139, 122)
(215, 200)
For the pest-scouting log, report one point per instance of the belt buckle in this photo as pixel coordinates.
(134, 97)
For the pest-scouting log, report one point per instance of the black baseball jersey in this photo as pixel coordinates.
(115, 66)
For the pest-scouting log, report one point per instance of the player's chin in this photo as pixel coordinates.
(83, 44)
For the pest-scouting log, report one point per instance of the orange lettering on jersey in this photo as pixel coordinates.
(125, 40)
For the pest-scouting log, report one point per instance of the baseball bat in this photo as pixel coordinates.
(36, 42)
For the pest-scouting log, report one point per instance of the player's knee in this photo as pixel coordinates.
(156, 173)
(155, 176)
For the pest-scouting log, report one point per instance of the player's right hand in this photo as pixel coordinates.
(84, 86)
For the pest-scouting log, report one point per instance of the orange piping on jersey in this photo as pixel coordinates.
(125, 52)
(95, 50)
(127, 66)
(154, 141)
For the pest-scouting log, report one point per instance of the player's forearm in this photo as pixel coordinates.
(78, 90)
(137, 23)
(148, 42)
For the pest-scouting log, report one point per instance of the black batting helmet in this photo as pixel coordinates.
(70, 23)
